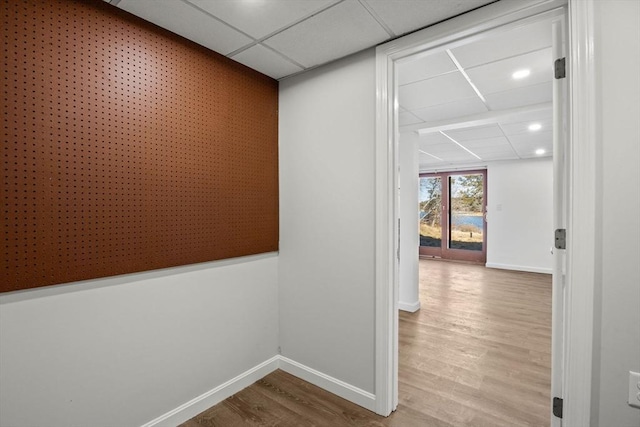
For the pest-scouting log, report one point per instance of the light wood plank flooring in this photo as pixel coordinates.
(477, 354)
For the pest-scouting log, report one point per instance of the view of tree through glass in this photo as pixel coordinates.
(451, 209)
(430, 211)
(466, 212)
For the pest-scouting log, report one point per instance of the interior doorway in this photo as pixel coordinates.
(485, 100)
(452, 209)
(505, 17)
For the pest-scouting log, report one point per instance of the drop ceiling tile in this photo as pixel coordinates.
(451, 110)
(261, 18)
(406, 118)
(446, 148)
(490, 157)
(475, 133)
(426, 162)
(519, 97)
(266, 61)
(545, 114)
(475, 155)
(492, 144)
(496, 76)
(434, 138)
(526, 147)
(462, 157)
(403, 16)
(188, 22)
(438, 90)
(502, 44)
(486, 151)
(426, 154)
(523, 126)
(424, 68)
(449, 152)
(338, 31)
(531, 139)
(530, 153)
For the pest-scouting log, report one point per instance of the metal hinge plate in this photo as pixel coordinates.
(560, 69)
(561, 238)
(557, 407)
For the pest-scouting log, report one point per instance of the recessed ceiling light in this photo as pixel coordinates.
(521, 74)
(535, 126)
(540, 151)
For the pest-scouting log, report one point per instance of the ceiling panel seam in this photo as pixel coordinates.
(461, 146)
(283, 56)
(264, 39)
(507, 58)
(378, 19)
(428, 78)
(522, 87)
(509, 139)
(429, 154)
(201, 10)
(467, 78)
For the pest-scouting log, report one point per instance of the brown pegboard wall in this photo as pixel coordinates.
(127, 148)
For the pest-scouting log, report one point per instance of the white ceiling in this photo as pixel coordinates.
(458, 124)
(467, 107)
(284, 37)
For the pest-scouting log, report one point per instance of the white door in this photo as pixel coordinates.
(560, 127)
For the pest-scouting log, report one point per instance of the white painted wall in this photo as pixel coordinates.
(617, 344)
(520, 215)
(409, 292)
(326, 262)
(122, 351)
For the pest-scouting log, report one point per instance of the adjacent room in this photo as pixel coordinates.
(476, 145)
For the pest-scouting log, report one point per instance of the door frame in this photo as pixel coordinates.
(581, 153)
(445, 252)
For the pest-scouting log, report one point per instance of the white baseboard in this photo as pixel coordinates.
(212, 397)
(411, 307)
(340, 388)
(519, 268)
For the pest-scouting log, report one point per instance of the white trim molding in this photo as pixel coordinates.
(526, 268)
(386, 280)
(411, 307)
(340, 388)
(214, 396)
(85, 285)
(581, 261)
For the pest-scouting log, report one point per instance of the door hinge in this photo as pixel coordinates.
(561, 238)
(557, 407)
(560, 69)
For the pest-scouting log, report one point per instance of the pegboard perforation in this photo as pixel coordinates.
(127, 148)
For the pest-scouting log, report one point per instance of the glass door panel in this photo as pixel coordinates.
(430, 211)
(466, 204)
(452, 221)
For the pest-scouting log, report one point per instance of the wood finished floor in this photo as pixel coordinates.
(477, 354)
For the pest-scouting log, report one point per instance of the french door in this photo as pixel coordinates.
(452, 215)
